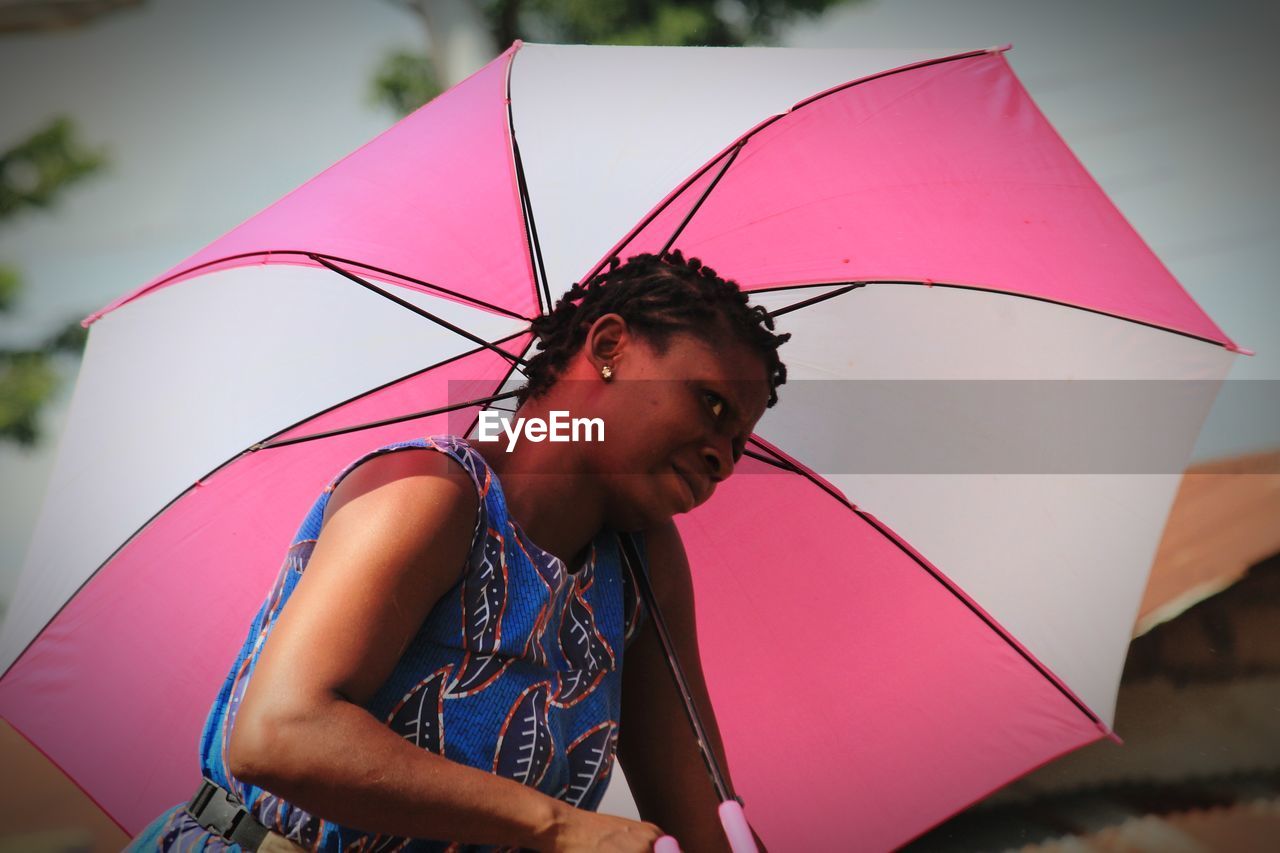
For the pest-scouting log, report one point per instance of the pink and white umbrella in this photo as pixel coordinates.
(882, 647)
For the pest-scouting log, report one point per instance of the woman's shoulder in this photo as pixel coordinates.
(431, 468)
(438, 449)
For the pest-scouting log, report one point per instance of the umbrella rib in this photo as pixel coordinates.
(784, 462)
(737, 149)
(1053, 302)
(662, 206)
(777, 288)
(200, 480)
(504, 381)
(381, 387)
(284, 442)
(912, 67)
(746, 137)
(991, 623)
(780, 461)
(421, 312)
(267, 253)
(768, 460)
(479, 303)
(531, 229)
(822, 297)
(955, 286)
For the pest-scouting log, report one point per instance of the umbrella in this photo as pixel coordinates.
(883, 644)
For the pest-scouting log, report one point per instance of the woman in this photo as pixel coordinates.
(438, 672)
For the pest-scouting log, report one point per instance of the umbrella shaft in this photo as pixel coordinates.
(632, 558)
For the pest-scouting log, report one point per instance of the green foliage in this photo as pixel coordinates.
(660, 22)
(35, 171)
(620, 22)
(70, 339)
(33, 175)
(10, 287)
(405, 81)
(27, 381)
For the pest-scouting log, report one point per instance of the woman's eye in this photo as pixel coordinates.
(717, 403)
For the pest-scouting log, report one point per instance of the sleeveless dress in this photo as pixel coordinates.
(517, 670)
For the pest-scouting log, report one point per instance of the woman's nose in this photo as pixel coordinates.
(719, 463)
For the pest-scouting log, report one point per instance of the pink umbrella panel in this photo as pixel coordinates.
(871, 674)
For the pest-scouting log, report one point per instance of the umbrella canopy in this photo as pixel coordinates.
(882, 647)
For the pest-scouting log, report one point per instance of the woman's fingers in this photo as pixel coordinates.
(592, 832)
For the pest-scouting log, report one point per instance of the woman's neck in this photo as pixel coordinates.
(540, 481)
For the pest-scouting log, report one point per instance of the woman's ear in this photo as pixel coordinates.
(607, 339)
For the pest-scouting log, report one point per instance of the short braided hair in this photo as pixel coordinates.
(657, 295)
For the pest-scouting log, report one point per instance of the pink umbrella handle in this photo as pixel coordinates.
(736, 828)
(666, 844)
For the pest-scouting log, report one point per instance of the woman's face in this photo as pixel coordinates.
(676, 423)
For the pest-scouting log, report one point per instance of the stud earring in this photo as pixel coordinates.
(606, 372)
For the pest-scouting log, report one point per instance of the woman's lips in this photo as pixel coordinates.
(693, 494)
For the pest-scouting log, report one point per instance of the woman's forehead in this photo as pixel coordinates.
(725, 358)
(732, 365)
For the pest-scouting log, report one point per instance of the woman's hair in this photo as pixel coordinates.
(657, 296)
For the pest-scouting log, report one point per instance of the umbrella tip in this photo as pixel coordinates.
(1232, 347)
(1000, 48)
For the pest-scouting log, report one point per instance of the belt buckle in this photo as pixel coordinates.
(214, 808)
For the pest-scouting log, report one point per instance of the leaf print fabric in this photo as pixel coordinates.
(524, 743)
(476, 673)
(419, 718)
(517, 670)
(589, 758)
(486, 596)
(580, 642)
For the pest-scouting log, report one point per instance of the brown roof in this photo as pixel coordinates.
(1225, 518)
(46, 811)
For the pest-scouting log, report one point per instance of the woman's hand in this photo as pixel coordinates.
(581, 831)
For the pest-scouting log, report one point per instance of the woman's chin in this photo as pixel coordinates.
(656, 513)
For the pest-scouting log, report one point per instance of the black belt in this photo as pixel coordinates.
(220, 811)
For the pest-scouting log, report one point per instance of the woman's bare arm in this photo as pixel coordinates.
(656, 743)
(397, 538)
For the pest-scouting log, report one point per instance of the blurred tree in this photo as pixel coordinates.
(33, 175)
(405, 81)
(19, 16)
(464, 34)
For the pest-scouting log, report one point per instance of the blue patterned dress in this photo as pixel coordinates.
(516, 670)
